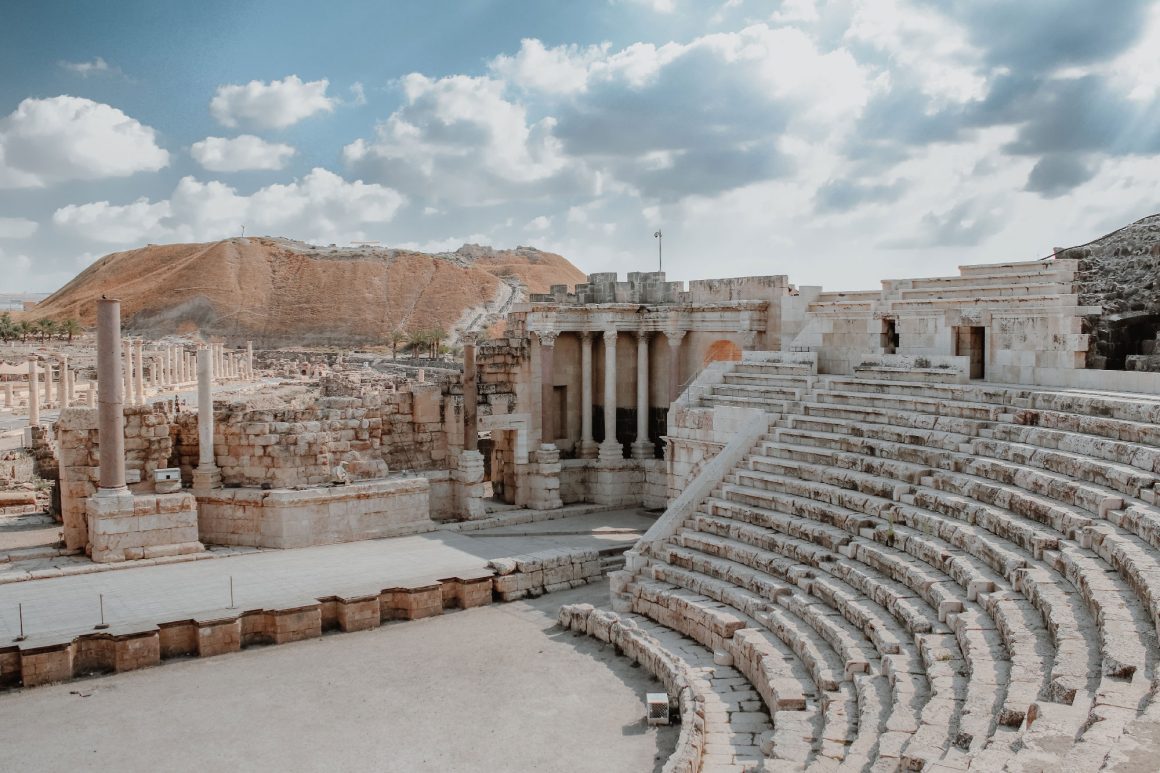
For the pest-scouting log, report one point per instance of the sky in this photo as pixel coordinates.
(839, 142)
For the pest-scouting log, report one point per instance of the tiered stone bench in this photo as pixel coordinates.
(967, 574)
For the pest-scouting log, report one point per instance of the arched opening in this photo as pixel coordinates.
(722, 351)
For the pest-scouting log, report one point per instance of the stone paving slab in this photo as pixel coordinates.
(151, 594)
(496, 688)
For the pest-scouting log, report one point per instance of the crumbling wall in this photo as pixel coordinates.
(1120, 274)
(313, 441)
(149, 445)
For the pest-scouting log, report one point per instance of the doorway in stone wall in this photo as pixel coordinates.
(971, 342)
(889, 340)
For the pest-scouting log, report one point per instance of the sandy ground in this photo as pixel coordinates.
(497, 688)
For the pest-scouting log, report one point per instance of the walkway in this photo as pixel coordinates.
(151, 594)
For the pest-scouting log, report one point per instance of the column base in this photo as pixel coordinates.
(588, 449)
(205, 479)
(643, 450)
(611, 451)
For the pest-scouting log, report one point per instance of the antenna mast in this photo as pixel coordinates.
(660, 254)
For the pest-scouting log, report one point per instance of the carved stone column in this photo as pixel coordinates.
(62, 382)
(588, 447)
(610, 449)
(642, 448)
(548, 430)
(47, 395)
(69, 384)
(206, 476)
(126, 372)
(674, 338)
(470, 394)
(139, 373)
(250, 359)
(110, 412)
(33, 393)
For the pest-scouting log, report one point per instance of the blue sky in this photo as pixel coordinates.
(836, 141)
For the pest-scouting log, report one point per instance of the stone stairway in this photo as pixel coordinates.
(925, 576)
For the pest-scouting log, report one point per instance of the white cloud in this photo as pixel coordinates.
(273, 105)
(236, 154)
(17, 227)
(358, 94)
(1137, 70)
(540, 223)
(45, 141)
(85, 69)
(105, 222)
(320, 207)
(921, 44)
(660, 6)
(559, 70)
(795, 11)
(459, 138)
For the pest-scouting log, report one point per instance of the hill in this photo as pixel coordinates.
(279, 292)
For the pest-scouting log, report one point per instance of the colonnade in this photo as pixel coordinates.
(610, 449)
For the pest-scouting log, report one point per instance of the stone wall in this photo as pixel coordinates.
(317, 441)
(150, 436)
(284, 518)
(1120, 274)
(125, 527)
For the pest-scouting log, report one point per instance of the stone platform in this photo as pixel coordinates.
(157, 612)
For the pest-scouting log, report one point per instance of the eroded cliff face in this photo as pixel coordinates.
(280, 292)
(1120, 273)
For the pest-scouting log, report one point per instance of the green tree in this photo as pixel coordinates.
(417, 342)
(396, 337)
(45, 328)
(435, 338)
(9, 328)
(70, 327)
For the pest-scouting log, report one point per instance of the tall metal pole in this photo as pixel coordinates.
(660, 255)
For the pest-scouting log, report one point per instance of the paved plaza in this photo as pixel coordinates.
(497, 688)
(150, 594)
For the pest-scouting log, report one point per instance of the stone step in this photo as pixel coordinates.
(994, 290)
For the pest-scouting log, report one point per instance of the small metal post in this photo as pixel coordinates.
(20, 613)
(103, 624)
(232, 592)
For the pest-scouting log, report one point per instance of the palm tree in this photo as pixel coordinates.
(44, 328)
(9, 328)
(70, 327)
(417, 341)
(436, 336)
(396, 337)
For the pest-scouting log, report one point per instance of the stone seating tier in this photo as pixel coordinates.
(967, 575)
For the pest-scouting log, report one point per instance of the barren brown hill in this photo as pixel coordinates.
(279, 292)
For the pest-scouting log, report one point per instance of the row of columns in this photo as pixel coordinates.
(642, 447)
(110, 414)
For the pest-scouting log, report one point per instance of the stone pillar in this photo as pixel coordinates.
(641, 447)
(588, 446)
(139, 374)
(610, 449)
(91, 395)
(548, 430)
(206, 476)
(249, 359)
(62, 382)
(47, 383)
(69, 385)
(674, 339)
(8, 394)
(110, 412)
(33, 393)
(470, 395)
(126, 373)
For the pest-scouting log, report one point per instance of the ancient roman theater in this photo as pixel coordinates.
(732, 525)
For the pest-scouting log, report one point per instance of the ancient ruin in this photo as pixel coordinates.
(913, 528)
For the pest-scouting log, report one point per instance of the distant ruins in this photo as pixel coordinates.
(917, 528)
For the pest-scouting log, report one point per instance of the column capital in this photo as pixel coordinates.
(547, 337)
(586, 335)
(674, 337)
(465, 339)
(610, 336)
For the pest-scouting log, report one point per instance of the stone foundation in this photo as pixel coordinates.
(286, 518)
(125, 527)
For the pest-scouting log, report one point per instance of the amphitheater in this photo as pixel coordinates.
(915, 528)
